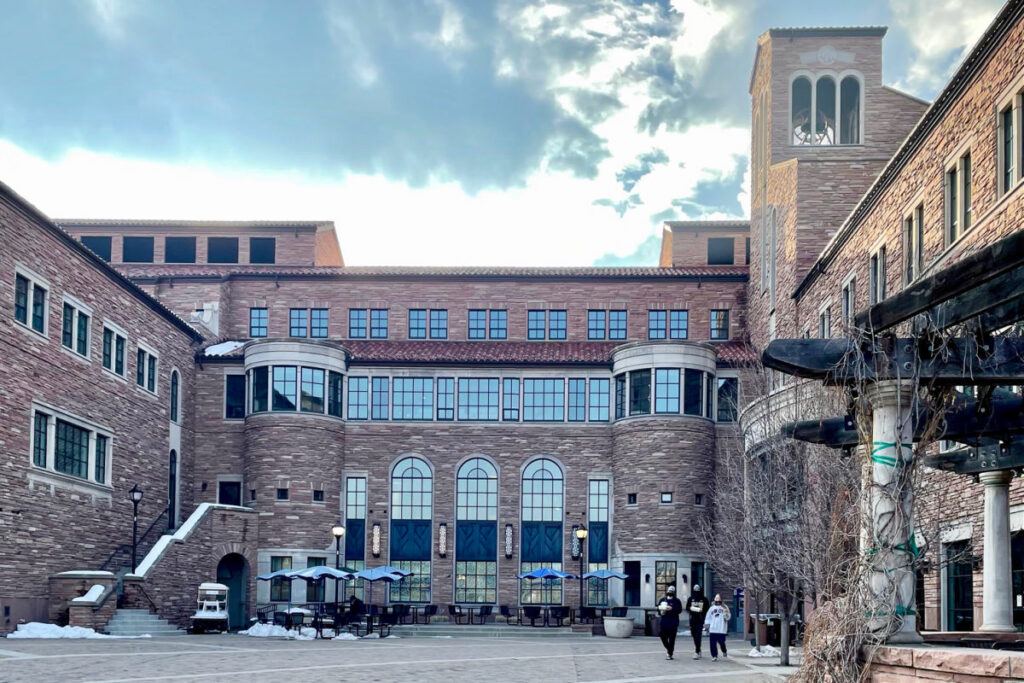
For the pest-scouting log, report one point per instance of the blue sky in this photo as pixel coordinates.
(440, 132)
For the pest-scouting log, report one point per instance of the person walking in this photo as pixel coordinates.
(670, 608)
(718, 625)
(697, 607)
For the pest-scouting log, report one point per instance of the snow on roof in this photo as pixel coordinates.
(223, 348)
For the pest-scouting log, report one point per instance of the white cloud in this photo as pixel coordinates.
(941, 32)
(355, 53)
(110, 17)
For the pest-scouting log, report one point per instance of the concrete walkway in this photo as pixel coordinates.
(239, 658)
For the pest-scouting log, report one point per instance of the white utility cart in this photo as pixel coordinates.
(212, 608)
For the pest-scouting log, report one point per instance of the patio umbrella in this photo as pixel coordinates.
(386, 573)
(604, 574)
(313, 574)
(547, 573)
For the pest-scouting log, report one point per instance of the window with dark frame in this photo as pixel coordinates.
(877, 276)
(262, 250)
(543, 400)
(75, 329)
(657, 323)
(721, 251)
(478, 399)
(179, 250)
(679, 324)
(234, 397)
(222, 250)
(510, 399)
(728, 399)
(445, 398)
(319, 319)
(719, 324)
(358, 398)
(260, 389)
(597, 324)
(99, 245)
(30, 303)
(136, 249)
(617, 324)
(477, 323)
(379, 398)
(284, 388)
(311, 390)
(438, 323)
(378, 323)
(536, 324)
(599, 400)
(640, 392)
(498, 323)
(298, 322)
(630, 499)
(412, 398)
(577, 411)
(1006, 117)
(335, 382)
(357, 323)
(557, 325)
(666, 390)
(693, 396)
(417, 323)
(620, 396)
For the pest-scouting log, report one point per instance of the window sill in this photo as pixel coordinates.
(31, 330)
(146, 392)
(113, 375)
(68, 482)
(75, 354)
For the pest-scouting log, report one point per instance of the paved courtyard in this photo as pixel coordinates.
(238, 658)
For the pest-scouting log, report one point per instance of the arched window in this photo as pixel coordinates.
(174, 396)
(541, 536)
(849, 111)
(476, 532)
(412, 494)
(800, 111)
(172, 490)
(825, 105)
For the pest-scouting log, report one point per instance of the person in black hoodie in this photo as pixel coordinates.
(670, 608)
(697, 607)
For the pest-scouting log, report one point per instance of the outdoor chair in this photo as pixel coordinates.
(533, 613)
(617, 612)
(281, 619)
(265, 614)
(347, 620)
(587, 615)
(387, 620)
(427, 612)
(403, 613)
(455, 613)
(506, 612)
(558, 614)
(482, 614)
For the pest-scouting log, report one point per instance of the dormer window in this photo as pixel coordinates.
(825, 100)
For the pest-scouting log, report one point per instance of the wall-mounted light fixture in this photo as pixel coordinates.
(442, 539)
(574, 542)
(508, 541)
(375, 540)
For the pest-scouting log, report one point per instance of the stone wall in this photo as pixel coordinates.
(892, 664)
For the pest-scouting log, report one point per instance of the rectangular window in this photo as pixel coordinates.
(282, 493)
(477, 321)
(234, 397)
(39, 309)
(21, 287)
(499, 323)
(596, 324)
(145, 369)
(543, 400)
(99, 245)
(598, 400)
(438, 324)
(100, 459)
(640, 392)
(952, 209)
(746, 252)
(577, 400)
(358, 398)
(262, 250)
(536, 324)
(849, 302)
(693, 397)
(40, 436)
(71, 453)
(721, 252)
(412, 398)
(665, 572)
(620, 396)
(280, 588)
(379, 399)
(913, 245)
(445, 398)
(334, 389)
(298, 322)
(476, 582)
(617, 322)
(378, 323)
(318, 321)
(417, 323)
(510, 400)
(120, 362)
(284, 387)
(357, 323)
(679, 324)
(728, 399)
(151, 373)
(222, 250)
(478, 399)
(598, 505)
(260, 386)
(137, 249)
(666, 390)
(720, 324)
(825, 323)
(877, 276)
(258, 322)
(1006, 149)
(311, 398)
(958, 199)
(355, 499)
(75, 329)
(179, 250)
(656, 324)
(557, 324)
(966, 192)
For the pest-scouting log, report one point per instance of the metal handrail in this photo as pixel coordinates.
(126, 547)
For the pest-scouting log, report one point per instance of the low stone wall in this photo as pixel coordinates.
(94, 614)
(67, 586)
(905, 664)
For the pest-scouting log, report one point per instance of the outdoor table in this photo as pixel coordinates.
(302, 612)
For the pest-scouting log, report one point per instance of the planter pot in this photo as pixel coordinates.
(618, 627)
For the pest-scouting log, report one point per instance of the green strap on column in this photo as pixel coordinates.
(889, 460)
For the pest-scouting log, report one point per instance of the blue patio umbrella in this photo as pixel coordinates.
(547, 573)
(386, 573)
(604, 574)
(313, 574)
(279, 574)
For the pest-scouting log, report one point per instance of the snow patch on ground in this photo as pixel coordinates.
(35, 629)
(276, 631)
(394, 637)
(345, 636)
(764, 651)
(370, 636)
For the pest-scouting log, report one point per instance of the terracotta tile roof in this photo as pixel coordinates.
(144, 272)
(72, 223)
(739, 224)
(373, 351)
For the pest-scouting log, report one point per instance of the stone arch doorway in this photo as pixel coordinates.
(233, 572)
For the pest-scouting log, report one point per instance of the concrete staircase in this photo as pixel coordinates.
(137, 622)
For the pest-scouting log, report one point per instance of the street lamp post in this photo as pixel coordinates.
(135, 495)
(338, 531)
(581, 535)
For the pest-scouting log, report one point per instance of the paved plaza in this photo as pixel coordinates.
(238, 658)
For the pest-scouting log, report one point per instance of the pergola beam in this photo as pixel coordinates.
(1009, 456)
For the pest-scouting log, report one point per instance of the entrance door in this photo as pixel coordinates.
(959, 587)
(233, 572)
(632, 589)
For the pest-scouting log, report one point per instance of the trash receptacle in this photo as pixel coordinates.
(652, 623)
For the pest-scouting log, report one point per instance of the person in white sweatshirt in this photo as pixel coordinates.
(718, 625)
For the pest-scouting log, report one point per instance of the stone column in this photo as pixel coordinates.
(997, 586)
(892, 551)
